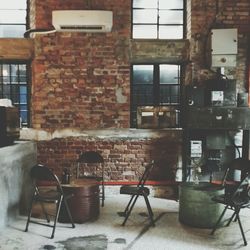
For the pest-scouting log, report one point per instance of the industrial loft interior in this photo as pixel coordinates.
(124, 124)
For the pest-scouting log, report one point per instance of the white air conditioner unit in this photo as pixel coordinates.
(82, 20)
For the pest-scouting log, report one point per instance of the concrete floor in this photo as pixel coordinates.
(107, 232)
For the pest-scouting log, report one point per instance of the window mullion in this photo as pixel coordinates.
(158, 21)
(156, 84)
(10, 82)
(1, 81)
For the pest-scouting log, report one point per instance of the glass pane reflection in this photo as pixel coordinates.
(143, 74)
(145, 4)
(170, 32)
(169, 74)
(145, 31)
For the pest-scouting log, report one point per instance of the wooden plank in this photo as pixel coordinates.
(16, 49)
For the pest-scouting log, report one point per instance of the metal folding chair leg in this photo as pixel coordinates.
(240, 225)
(219, 220)
(69, 213)
(103, 195)
(58, 206)
(29, 214)
(233, 217)
(150, 212)
(129, 208)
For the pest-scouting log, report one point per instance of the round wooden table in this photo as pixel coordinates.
(84, 204)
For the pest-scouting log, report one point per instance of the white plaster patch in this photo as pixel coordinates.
(119, 96)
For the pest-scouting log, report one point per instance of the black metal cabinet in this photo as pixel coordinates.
(218, 118)
(212, 121)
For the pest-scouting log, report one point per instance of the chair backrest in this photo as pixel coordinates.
(146, 174)
(90, 157)
(240, 164)
(241, 194)
(40, 173)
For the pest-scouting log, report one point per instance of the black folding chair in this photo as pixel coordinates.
(91, 166)
(235, 199)
(135, 192)
(53, 193)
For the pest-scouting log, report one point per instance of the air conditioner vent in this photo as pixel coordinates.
(82, 27)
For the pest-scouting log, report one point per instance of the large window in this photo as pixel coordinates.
(14, 86)
(154, 85)
(158, 19)
(13, 18)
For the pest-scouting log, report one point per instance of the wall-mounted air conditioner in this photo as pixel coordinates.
(82, 20)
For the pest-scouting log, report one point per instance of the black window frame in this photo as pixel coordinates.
(184, 24)
(27, 85)
(156, 91)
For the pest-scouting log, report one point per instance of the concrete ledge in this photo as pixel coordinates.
(43, 135)
(16, 161)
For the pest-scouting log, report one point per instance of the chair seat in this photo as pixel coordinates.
(241, 201)
(133, 190)
(49, 196)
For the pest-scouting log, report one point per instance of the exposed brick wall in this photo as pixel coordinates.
(93, 69)
(207, 15)
(123, 157)
(81, 79)
(161, 51)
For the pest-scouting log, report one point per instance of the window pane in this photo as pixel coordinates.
(170, 17)
(10, 87)
(143, 95)
(14, 73)
(150, 90)
(175, 94)
(169, 74)
(23, 95)
(15, 94)
(169, 12)
(6, 90)
(24, 117)
(139, 16)
(164, 94)
(22, 70)
(5, 71)
(145, 4)
(171, 4)
(13, 4)
(14, 69)
(171, 32)
(145, 31)
(12, 30)
(143, 74)
(169, 94)
(22, 74)
(12, 16)
(23, 107)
